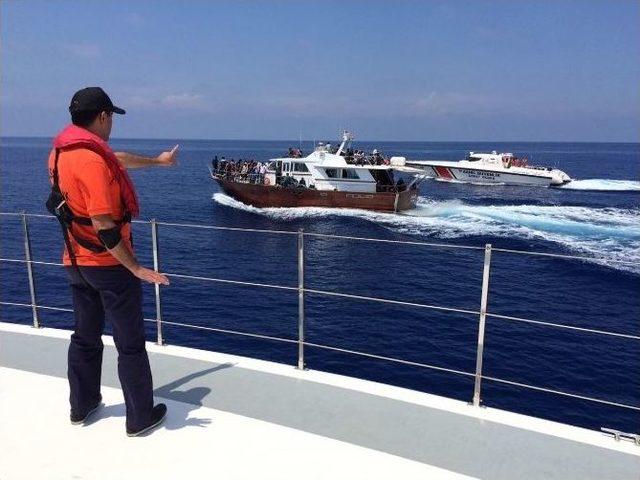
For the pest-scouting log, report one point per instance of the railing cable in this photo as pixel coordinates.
(558, 392)
(233, 229)
(34, 262)
(390, 359)
(385, 300)
(559, 325)
(44, 307)
(222, 330)
(562, 255)
(233, 282)
(404, 242)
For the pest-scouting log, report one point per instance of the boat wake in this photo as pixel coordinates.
(608, 234)
(592, 184)
(603, 185)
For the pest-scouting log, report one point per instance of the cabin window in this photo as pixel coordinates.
(349, 173)
(332, 172)
(300, 167)
(473, 159)
(287, 167)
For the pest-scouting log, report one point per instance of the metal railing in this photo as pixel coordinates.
(302, 291)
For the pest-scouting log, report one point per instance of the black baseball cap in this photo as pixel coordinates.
(93, 99)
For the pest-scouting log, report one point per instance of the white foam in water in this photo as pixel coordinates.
(604, 233)
(597, 184)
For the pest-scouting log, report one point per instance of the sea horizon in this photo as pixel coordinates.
(356, 140)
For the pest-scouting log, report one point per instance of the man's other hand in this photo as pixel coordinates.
(150, 276)
(168, 159)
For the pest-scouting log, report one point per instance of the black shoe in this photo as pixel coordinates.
(158, 415)
(77, 419)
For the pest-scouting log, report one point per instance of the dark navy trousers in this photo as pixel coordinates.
(114, 294)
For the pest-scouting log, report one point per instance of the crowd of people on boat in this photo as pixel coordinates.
(351, 156)
(360, 157)
(295, 153)
(244, 167)
(251, 171)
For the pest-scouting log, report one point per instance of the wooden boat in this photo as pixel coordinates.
(322, 179)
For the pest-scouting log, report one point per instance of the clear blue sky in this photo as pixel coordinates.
(395, 70)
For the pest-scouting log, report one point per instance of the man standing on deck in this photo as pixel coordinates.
(104, 274)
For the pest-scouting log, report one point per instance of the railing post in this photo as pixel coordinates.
(32, 285)
(156, 267)
(481, 325)
(301, 364)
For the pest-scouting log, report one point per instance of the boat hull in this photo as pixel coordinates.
(264, 196)
(483, 176)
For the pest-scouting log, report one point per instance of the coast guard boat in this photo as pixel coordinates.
(493, 168)
(324, 178)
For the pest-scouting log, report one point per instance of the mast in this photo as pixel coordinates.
(346, 139)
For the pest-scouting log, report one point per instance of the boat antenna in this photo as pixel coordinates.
(346, 140)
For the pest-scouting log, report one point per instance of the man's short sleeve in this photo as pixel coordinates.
(94, 180)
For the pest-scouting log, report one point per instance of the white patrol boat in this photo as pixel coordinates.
(492, 168)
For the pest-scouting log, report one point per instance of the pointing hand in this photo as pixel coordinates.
(168, 159)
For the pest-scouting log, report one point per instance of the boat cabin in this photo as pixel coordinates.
(325, 170)
(495, 159)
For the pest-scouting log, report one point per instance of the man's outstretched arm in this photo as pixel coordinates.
(165, 159)
(122, 253)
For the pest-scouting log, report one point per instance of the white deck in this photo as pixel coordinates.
(233, 417)
(194, 443)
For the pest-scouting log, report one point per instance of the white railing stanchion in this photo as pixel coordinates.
(156, 267)
(301, 364)
(481, 324)
(32, 285)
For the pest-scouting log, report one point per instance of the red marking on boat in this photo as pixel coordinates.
(443, 172)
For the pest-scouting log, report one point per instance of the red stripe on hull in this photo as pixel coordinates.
(264, 196)
(444, 172)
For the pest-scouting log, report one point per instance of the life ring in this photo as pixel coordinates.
(267, 181)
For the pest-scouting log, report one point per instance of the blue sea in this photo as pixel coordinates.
(597, 215)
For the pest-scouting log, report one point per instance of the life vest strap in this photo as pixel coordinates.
(66, 217)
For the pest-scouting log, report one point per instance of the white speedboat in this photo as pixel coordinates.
(492, 168)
